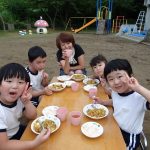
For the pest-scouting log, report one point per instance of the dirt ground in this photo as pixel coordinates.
(14, 48)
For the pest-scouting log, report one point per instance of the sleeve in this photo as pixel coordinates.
(78, 50)
(59, 56)
(3, 126)
(148, 105)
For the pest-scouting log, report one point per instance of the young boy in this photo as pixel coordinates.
(129, 99)
(39, 78)
(14, 101)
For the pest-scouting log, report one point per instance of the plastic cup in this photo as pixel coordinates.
(62, 113)
(75, 117)
(75, 86)
(92, 92)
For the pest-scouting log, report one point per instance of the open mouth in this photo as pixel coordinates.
(12, 93)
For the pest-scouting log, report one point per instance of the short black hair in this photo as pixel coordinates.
(118, 64)
(97, 59)
(35, 52)
(13, 70)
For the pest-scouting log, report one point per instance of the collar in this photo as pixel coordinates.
(126, 94)
(9, 106)
(29, 71)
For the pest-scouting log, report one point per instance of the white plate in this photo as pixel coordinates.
(88, 87)
(42, 119)
(90, 81)
(78, 77)
(94, 107)
(50, 110)
(68, 83)
(56, 86)
(64, 78)
(92, 129)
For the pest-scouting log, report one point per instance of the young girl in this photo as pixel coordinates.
(14, 102)
(97, 64)
(69, 55)
(129, 99)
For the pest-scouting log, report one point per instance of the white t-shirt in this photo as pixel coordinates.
(36, 79)
(9, 117)
(129, 111)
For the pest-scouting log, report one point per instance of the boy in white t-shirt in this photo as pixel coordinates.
(39, 78)
(130, 100)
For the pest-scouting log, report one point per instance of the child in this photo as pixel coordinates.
(70, 55)
(14, 101)
(97, 64)
(129, 99)
(39, 78)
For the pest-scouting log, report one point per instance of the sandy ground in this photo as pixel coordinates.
(14, 48)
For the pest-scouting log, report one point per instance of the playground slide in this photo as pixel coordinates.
(84, 26)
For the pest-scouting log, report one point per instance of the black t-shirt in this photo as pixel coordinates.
(78, 52)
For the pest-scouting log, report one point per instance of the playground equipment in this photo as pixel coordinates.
(102, 19)
(103, 16)
(84, 25)
(140, 31)
(117, 23)
(134, 31)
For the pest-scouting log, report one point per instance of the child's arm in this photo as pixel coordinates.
(45, 79)
(81, 64)
(7, 144)
(30, 110)
(97, 100)
(135, 86)
(45, 91)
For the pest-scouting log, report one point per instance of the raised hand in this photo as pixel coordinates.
(26, 95)
(45, 79)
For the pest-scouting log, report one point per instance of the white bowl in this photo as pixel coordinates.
(78, 77)
(68, 83)
(63, 78)
(93, 81)
(88, 87)
(93, 107)
(43, 118)
(92, 129)
(50, 110)
(56, 86)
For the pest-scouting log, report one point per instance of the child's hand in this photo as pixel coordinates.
(47, 91)
(42, 137)
(103, 82)
(45, 79)
(96, 100)
(26, 95)
(132, 82)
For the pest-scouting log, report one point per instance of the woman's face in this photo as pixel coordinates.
(66, 45)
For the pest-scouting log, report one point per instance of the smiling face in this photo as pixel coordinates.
(118, 81)
(11, 89)
(38, 64)
(66, 45)
(99, 69)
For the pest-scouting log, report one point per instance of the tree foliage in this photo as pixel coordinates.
(57, 12)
